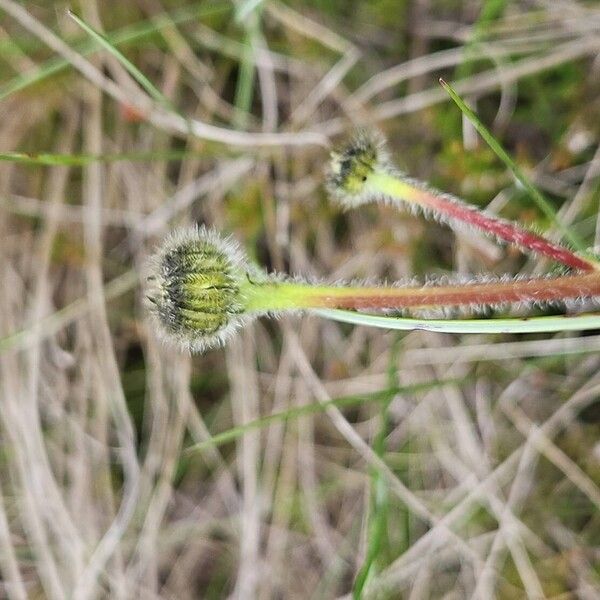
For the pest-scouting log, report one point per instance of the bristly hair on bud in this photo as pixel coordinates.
(351, 165)
(194, 286)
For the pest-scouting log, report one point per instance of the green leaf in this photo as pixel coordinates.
(105, 43)
(125, 35)
(515, 325)
(80, 160)
(317, 407)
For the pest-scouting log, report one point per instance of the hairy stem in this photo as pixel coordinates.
(456, 211)
(275, 296)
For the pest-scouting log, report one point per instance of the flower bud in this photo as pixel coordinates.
(195, 287)
(351, 166)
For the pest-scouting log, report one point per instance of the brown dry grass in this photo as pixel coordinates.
(490, 475)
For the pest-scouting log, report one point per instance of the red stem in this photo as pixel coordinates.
(505, 230)
(532, 290)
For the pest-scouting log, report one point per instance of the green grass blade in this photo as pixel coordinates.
(515, 325)
(102, 41)
(379, 510)
(244, 92)
(246, 9)
(80, 160)
(126, 35)
(45, 159)
(494, 144)
(490, 12)
(22, 81)
(245, 83)
(317, 407)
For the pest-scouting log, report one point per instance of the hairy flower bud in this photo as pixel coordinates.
(361, 172)
(351, 166)
(202, 289)
(195, 287)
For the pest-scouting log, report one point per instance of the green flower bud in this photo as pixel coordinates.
(202, 289)
(196, 288)
(351, 166)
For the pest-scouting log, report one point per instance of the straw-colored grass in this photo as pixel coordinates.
(347, 459)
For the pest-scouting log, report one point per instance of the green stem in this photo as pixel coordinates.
(277, 296)
(379, 509)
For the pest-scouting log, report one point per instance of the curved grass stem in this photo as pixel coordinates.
(518, 173)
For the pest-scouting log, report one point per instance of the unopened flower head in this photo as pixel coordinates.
(195, 286)
(361, 172)
(351, 166)
(202, 289)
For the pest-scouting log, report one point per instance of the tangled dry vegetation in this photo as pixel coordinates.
(398, 465)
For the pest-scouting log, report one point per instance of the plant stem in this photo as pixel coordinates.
(503, 155)
(275, 296)
(457, 211)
